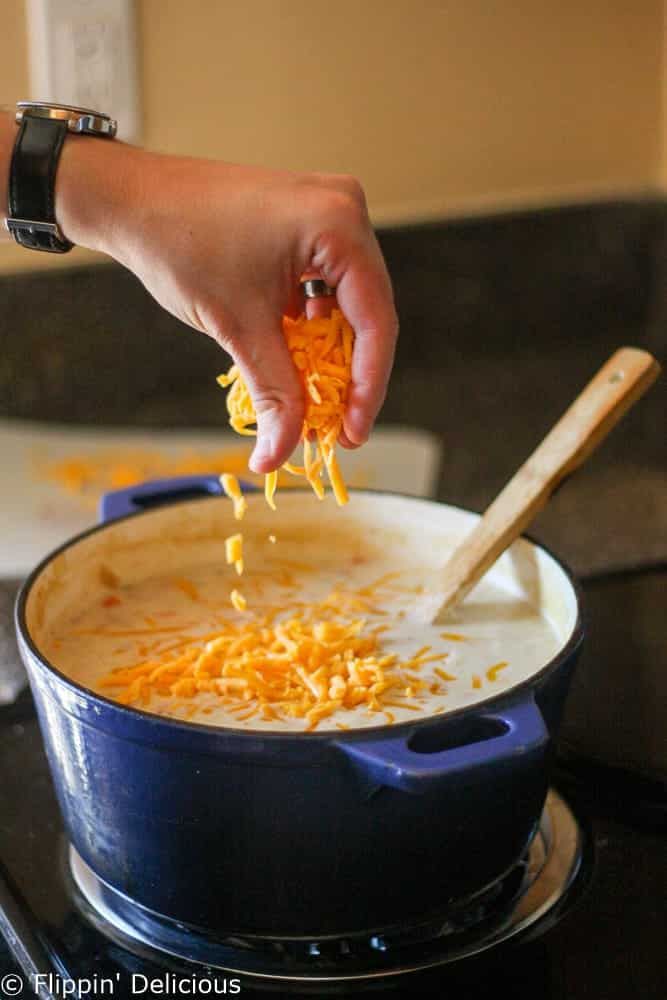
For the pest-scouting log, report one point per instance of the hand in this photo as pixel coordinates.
(222, 247)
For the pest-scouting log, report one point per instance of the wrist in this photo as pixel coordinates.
(93, 191)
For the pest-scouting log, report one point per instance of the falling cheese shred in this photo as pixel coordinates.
(238, 600)
(234, 552)
(321, 350)
(270, 483)
(230, 485)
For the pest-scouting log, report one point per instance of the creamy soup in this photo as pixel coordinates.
(167, 601)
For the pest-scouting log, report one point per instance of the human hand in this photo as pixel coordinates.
(223, 247)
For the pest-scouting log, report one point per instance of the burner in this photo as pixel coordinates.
(533, 889)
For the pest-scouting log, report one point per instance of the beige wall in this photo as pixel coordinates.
(440, 107)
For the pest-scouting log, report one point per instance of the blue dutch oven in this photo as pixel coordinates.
(279, 833)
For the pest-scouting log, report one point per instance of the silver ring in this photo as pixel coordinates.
(315, 288)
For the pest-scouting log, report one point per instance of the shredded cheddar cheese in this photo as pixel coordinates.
(307, 666)
(298, 653)
(306, 659)
(230, 485)
(270, 483)
(492, 672)
(87, 475)
(321, 350)
(234, 552)
(238, 600)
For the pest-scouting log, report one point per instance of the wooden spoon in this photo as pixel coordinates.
(617, 386)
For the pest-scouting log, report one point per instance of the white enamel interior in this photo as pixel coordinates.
(524, 611)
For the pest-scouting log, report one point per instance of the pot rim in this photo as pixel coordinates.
(395, 729)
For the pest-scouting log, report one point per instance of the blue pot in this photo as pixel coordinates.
(283, 834)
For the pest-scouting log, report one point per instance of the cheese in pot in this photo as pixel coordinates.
(336, 634)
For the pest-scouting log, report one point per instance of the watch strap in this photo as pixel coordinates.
(32, 182)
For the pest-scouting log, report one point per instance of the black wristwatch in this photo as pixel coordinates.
(32, 174)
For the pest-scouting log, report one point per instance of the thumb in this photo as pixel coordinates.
(276, 393)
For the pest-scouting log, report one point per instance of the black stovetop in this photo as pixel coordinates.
(607, 940)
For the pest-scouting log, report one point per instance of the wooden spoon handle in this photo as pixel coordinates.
(616, 387)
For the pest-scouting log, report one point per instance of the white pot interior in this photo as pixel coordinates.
(523, 612)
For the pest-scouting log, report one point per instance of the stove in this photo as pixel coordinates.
(533, 890)
(582, 915)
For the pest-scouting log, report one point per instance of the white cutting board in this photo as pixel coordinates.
(37, 515)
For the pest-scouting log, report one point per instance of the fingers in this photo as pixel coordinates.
(349, 259)
(344, 441)
(320, 307)
(276, 392)
(345, 253)
(364, 293)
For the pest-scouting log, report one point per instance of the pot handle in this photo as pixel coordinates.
(157, 492)
(520, 733)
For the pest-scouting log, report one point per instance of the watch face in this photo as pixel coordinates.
(78, 119)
